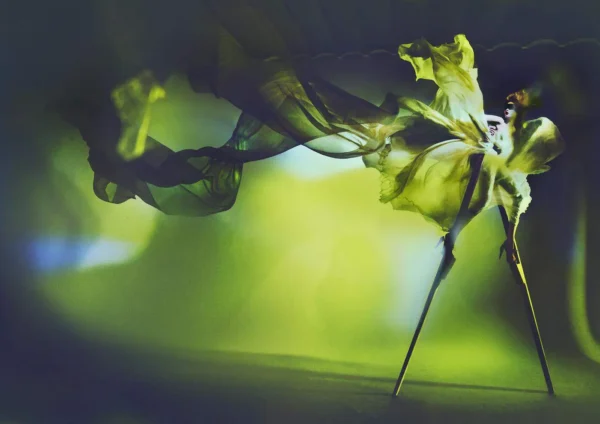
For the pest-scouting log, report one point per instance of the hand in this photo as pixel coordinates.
(511, 251)
(449, 258)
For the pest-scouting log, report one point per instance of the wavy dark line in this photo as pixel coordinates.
(542, 41)
(535, 43)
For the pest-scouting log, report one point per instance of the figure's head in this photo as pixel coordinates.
(517, 103)
(510, 112)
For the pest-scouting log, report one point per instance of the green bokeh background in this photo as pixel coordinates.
(298, 304)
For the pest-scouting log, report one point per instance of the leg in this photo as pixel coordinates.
(446, 263)
(516, 268)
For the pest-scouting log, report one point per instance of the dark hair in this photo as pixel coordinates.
(524, 99)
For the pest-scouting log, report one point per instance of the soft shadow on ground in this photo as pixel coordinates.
(232, 388)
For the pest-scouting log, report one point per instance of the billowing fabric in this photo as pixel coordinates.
(423, 157)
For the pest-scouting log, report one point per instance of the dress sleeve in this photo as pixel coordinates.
(538, 143)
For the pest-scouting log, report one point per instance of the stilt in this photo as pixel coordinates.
(447, 263)
(519, 275)
(447, 260)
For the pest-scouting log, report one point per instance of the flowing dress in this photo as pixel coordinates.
(423, 156)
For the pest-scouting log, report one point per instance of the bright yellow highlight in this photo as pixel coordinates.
(134, 101)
